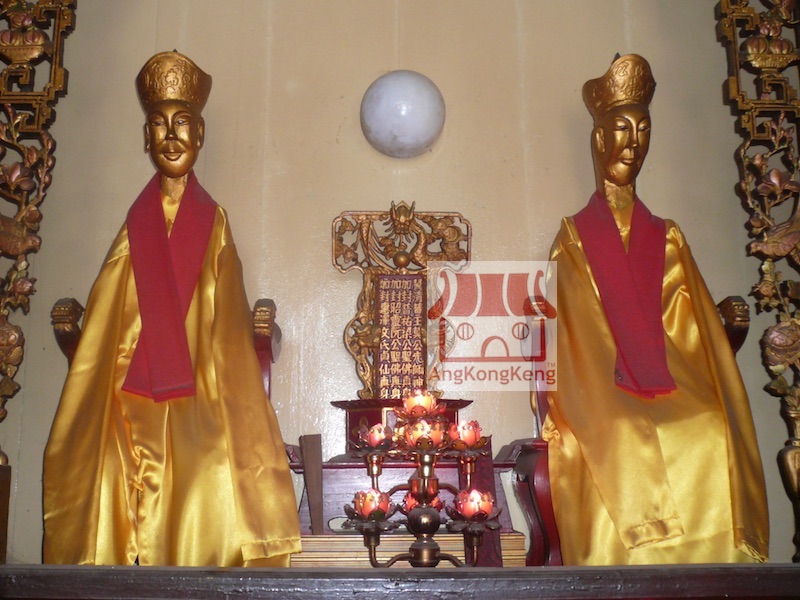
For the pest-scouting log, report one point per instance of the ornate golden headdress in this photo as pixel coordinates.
(627, 81)
(172, 76)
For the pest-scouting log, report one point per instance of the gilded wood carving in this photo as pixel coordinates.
(760, 89)
(393, 249)
(31, 48)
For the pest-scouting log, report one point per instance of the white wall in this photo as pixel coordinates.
(285, 155)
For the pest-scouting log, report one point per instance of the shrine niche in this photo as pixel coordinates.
(397, 434)
(31, 81)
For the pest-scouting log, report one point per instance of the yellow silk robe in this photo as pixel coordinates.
(202, 480)
(676, 479)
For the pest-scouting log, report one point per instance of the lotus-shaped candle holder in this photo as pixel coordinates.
(474, 511)
(420, 404)
(466, 436)
(410, 502)
(375, 439)
(374, 444)
(425, 435)
(370, 510)
(466, 443)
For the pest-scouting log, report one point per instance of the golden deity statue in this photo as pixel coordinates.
(165, 449)
(653, 452)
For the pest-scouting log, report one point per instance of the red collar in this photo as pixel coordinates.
(630, 291)
(166, 269)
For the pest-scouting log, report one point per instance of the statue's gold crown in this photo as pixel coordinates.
(172, 76)
(627, 81)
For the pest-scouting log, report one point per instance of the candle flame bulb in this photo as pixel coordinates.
(472, 503)
(468, 432)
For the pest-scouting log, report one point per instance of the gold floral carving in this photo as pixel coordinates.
(33, 77)
(763, 98)
(397, 242)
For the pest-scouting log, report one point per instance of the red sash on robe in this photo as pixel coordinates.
(630, 292)
(166, 269)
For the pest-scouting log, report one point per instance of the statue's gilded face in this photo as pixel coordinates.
(173, 137)
(621, 141)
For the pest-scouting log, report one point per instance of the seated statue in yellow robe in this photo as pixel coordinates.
(165, 449)
(653, 452)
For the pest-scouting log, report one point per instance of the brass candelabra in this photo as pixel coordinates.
(424, 435)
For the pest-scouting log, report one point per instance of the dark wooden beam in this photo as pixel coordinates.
(699, 581)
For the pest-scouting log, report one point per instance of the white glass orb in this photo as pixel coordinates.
(402, 114)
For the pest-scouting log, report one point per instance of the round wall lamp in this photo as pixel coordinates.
(402, 114)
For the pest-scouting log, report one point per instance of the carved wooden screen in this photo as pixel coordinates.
(388, 335)
(32, 49)
(761, 90)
